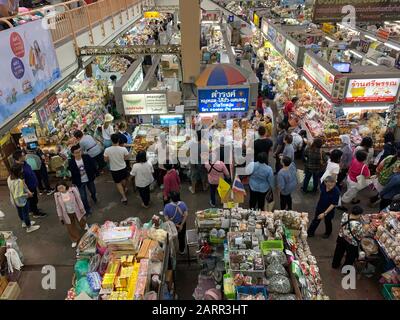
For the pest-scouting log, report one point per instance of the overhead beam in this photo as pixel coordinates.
(161, 8)
(129, 50)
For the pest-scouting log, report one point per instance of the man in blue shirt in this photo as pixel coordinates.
(391, 189)
(177, 212)
(31, 182)
(287, 183)
(328, 200)
(261, 181)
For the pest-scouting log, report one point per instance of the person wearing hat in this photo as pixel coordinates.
(350, 235)
(107, 130)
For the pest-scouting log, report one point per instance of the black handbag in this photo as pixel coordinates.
(270, 196)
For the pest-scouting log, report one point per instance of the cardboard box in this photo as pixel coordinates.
(11, 292)
(147, 245)
(3, 284)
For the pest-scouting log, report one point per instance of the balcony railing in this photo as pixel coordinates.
(75, 16)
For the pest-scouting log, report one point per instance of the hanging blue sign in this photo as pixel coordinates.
(223, 100)
(291, 2)
(171, 120)
(230, 18)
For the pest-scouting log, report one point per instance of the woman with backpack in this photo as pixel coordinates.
(348, 240)
(177, 212)
(215, 171)
(19, 194)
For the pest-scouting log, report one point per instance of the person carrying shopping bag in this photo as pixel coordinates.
(70, 211)
(19, 194)
(357, 177)
(215, 171)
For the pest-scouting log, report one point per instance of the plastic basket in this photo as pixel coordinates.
(387, 290)
(253, 290)
(270, 245)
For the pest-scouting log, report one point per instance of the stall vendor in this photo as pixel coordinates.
(288, 109)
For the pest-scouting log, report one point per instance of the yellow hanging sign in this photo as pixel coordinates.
(151, 14)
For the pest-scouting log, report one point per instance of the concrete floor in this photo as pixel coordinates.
(51, 245)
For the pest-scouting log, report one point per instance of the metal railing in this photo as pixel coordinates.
(75, 16)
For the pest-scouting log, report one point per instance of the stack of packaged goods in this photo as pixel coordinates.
(125, 261)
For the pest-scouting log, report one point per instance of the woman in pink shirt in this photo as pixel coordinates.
(215, 171)
(171, 182)
(357, 168)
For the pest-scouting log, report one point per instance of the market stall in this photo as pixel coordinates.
(256, 255)
(11, 263)
(125, 261)
(381, 249)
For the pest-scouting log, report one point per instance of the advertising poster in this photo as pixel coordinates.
(365, 10)
(29, 134)
(28, 66)
(271, 34)
(145, 103)
(264, 27)
(372, 90)
(291, 52)
(223, 100)
(280, 42)
(318, 75)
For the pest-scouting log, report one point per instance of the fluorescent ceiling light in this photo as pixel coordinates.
(372, 62)
(370, 37)
(356, 54)
(329, 39)
(392, 46)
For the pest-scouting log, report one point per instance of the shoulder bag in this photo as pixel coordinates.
(362, 181)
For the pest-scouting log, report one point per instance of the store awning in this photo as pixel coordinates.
(222, 75)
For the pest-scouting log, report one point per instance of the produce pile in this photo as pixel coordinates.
(255, 254)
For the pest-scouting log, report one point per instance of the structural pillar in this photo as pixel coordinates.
(189, 13)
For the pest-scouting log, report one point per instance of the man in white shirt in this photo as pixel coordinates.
(116, 157)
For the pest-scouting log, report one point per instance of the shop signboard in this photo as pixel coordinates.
(29, 134)
(223, 100)
(28, 66)
(291, 51)
(318, 75)
(135, 80)
(372, 90)
(285, 3)
(171, 120)
(231, 18)
(151, 14)
(271, 34)
(145, 103)
(365, 10)
(280, 42)
(264, 27)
